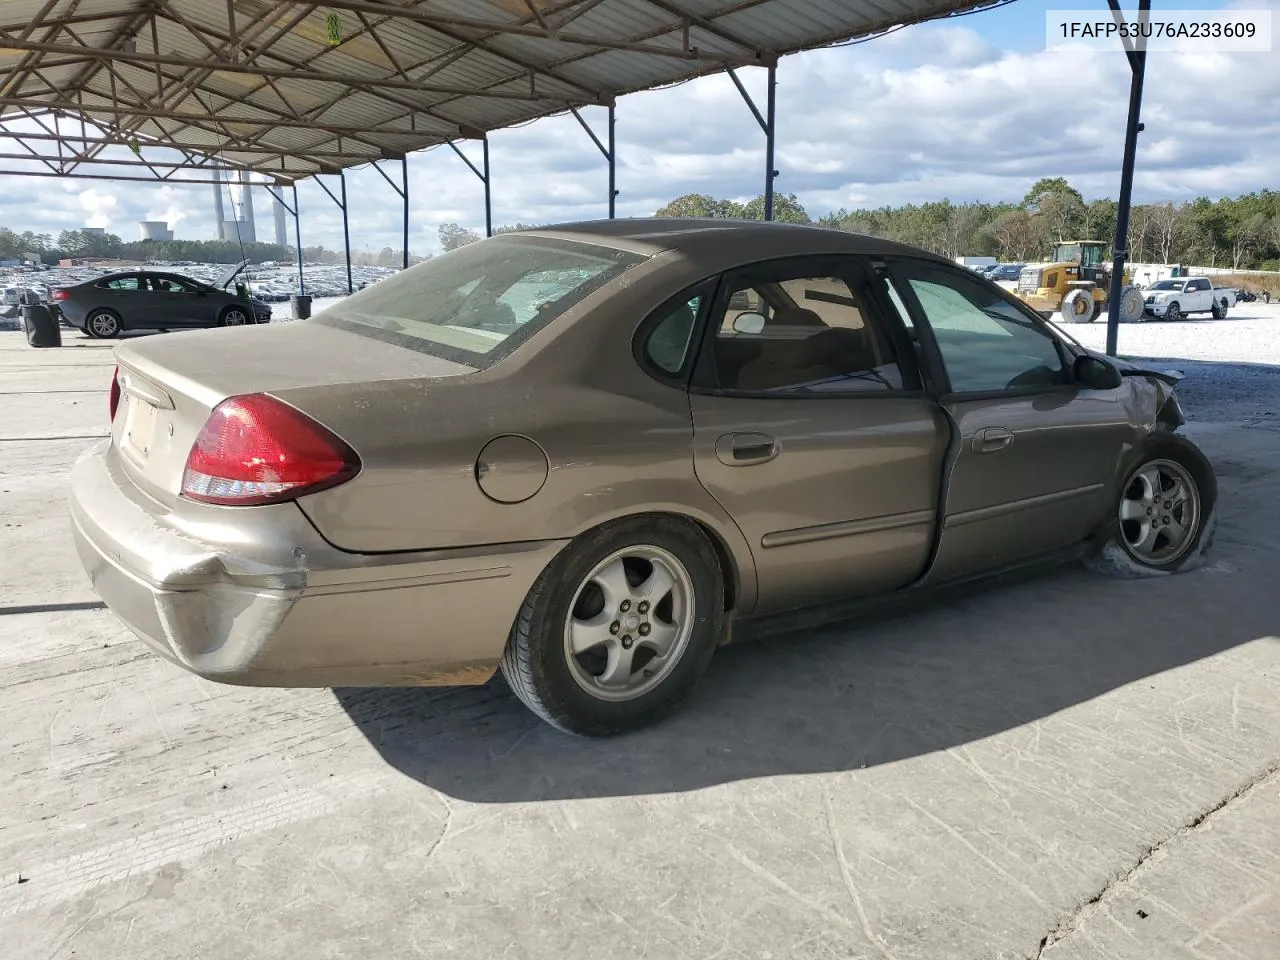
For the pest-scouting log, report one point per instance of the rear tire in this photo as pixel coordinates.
(1219, 309)
(573, 654)
(102, 324)
(1131, 305)
(1146, 539)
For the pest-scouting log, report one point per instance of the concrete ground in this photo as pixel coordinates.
(1069, 767)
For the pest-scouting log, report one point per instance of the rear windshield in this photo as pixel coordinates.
(476, 304)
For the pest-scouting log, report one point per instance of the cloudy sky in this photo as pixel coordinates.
(971, 109)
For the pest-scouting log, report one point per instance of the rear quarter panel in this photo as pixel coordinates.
(617, 442)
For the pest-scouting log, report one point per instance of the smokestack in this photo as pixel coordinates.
(247, 193)
(220, 229)
(282, 225)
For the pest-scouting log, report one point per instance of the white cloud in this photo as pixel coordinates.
(927, 112)
(99, 205)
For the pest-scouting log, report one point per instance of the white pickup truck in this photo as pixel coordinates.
(1174, 299)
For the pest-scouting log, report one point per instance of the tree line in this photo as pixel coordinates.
(81, 244)
(1240, 233)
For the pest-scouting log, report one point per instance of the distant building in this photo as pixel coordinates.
(95, 231)
(155, 230)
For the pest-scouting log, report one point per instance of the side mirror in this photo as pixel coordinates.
(748, 323)
(1096, 373)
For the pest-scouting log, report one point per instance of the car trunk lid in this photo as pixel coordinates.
(170, 384)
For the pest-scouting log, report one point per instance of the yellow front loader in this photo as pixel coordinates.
(1076, 284)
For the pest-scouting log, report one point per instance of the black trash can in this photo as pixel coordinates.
(301, 304)
(41, 325)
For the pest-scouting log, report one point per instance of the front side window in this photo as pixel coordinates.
(987, 344)
(792, 331)
(477, 303)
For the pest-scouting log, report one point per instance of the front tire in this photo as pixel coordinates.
(102, 324)
(234, 317)
(1174, 313)
(618, 629)
(1078, 306)
(1166, 515)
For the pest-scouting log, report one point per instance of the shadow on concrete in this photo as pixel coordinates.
(975, 662)
(839, 698)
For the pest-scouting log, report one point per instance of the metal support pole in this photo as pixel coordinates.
(404, 193)
(483, 174)
(613, 177)
(769, 134)
(297, 233)
(768, 123)
(607, 152)
(341, 200)
(488, 196)
(1138, 68)
(346, 231)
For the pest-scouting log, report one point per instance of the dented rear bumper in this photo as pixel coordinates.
(253, 595)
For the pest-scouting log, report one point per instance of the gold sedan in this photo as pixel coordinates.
(578, 453)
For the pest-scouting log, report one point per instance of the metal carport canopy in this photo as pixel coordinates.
(295, 89)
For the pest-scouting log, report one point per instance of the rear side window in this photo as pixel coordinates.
(476, 304)
(119, 283)
(794, 329)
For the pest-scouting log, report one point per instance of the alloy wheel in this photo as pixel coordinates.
(1160, 512)
(103, 324)
(630, 623)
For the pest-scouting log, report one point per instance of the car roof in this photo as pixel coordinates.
(694, 236)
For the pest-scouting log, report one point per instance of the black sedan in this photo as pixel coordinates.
(147, 300)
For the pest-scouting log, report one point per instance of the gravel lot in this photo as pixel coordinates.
(1064, 767)
(1232, 365)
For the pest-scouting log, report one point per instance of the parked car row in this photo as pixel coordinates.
(1002, 271)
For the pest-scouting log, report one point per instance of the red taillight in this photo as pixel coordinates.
(60, 294)
(115, 393)
(256, 449)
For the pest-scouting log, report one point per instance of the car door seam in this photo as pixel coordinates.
(950, 457)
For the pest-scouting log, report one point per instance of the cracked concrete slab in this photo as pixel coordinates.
(1016, 774)
(1210, 890)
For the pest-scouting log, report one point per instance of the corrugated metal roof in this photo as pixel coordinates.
(291, 89)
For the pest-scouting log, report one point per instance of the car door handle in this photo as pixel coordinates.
(991, 440)
(741, 449)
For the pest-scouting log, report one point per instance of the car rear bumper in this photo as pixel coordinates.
(309, 615)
